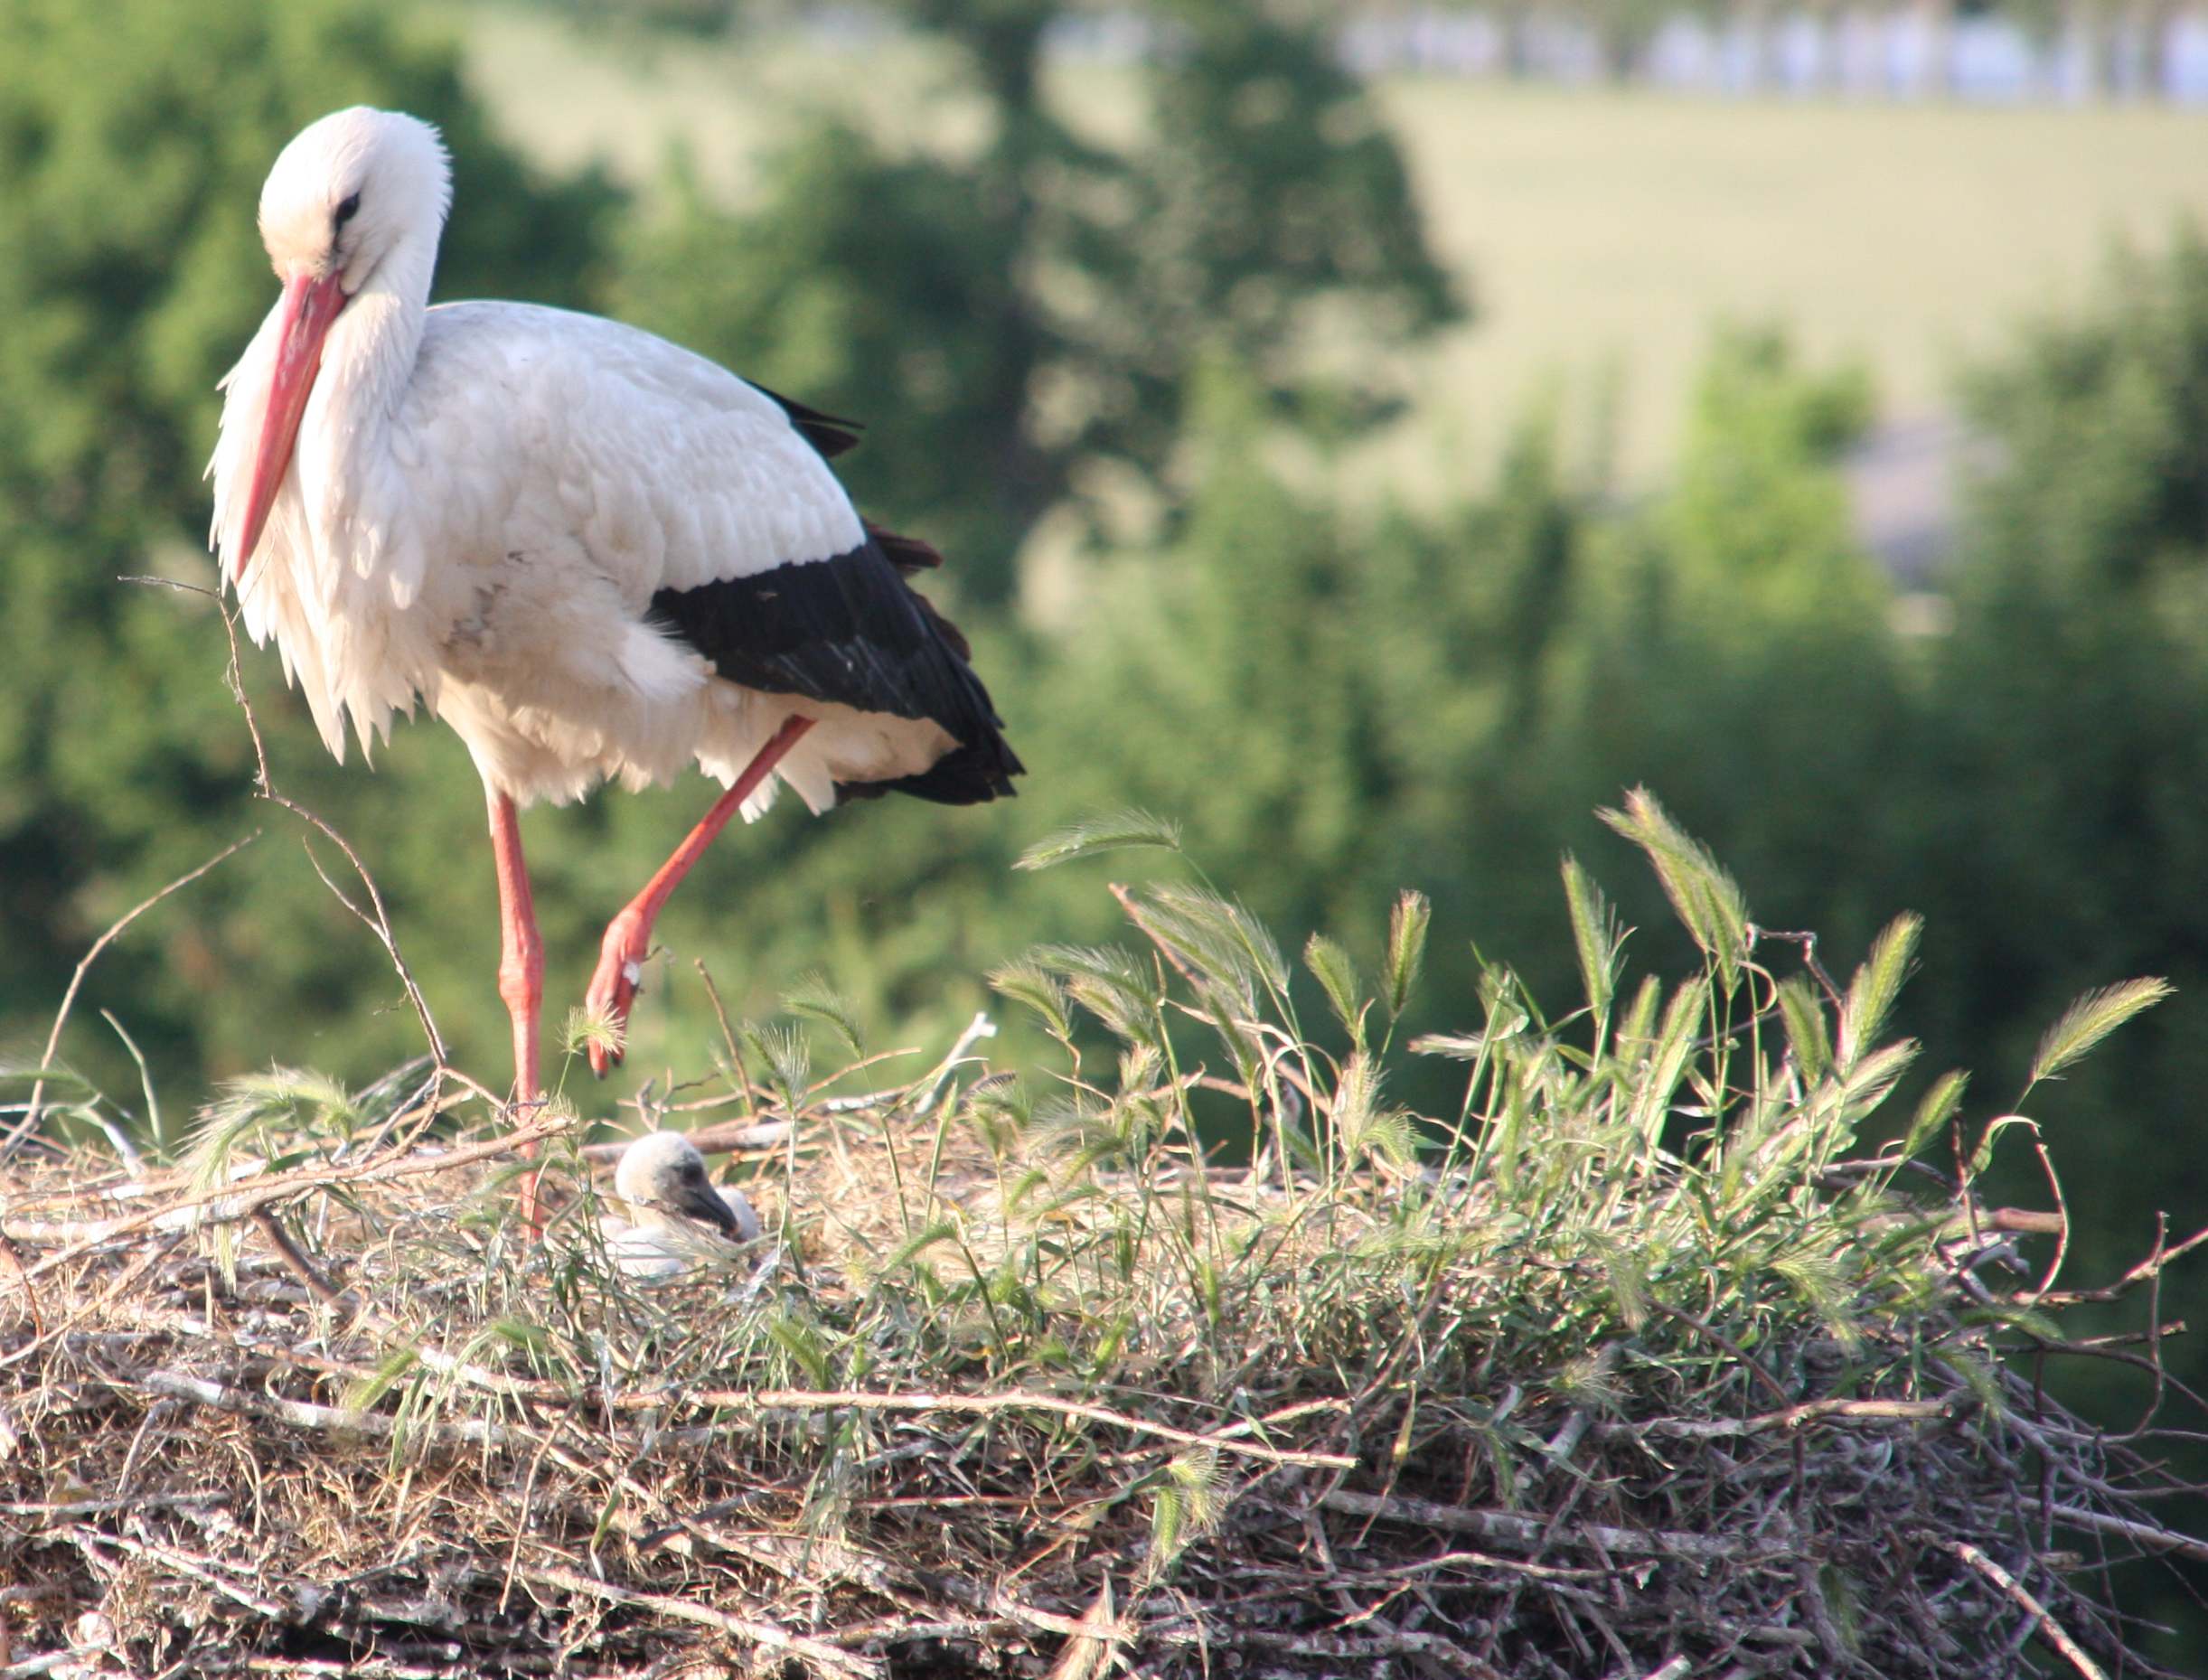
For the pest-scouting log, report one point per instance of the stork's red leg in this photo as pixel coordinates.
(521, 971)
(628, 936)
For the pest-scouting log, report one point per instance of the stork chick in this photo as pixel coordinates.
(679, 1219)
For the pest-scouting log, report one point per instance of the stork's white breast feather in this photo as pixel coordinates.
(561, 469)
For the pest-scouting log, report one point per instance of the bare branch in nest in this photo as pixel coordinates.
(301, 1414)
(730, 1138)
(757, 1633)
(979, 1406)
(242, 1198)
(1865, 1412)
(1503, 1528)
(272, 1229)
(2152, 1535)
(2146, 1272)
(2050, 1629)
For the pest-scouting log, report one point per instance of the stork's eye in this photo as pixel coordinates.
(347, 210)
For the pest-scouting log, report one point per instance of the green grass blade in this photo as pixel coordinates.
(1706, 899)
(1335, 973)
(2091, 1018)
(1117, 830)
(1876, 985)
(1028, 982)
(815, 998)
(1934, 1109)
(1594, 933)
(1406, 948)
(1801, 1008)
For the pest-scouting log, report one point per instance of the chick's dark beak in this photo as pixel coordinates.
(695, 1198)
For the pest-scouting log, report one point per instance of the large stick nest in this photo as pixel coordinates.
(1634, 1366)
(966, 1412)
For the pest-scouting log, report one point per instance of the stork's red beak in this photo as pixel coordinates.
(311, 304)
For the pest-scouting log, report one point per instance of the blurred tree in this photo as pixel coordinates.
(1756, 529)
(130, 275)
(1623, 28)
(2101, 476)
(1341, 697)
(704, 18)
(1030, 316)
(2068, 700)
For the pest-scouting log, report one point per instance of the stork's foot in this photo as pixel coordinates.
(614, 987)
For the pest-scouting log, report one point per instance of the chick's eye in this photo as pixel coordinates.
(347, 210)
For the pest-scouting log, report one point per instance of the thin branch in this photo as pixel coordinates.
(1534, 1534)
(1729, 1345)
(1807, 941)
(2145, 1534)
(738, 1136)
(240, 1198)
(2061, 1236)
(1016, 1400)
(685, 1609)
(980, 1027)
(2050, 1628)
(1792, 1417)
(2151, 1267)
(745, 1088)
(304, 1413)
(375, 918)
(2031, 1222)
(279, 1239)
(197, 1568)
(29, 1122)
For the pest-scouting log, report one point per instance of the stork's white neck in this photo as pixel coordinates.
(370, 353)
(343, 449)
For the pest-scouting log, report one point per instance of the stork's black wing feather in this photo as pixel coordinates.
(829, 434)
(852, 631)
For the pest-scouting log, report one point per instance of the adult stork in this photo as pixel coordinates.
(595, 554)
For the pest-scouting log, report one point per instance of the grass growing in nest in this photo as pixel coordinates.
(1636, 1364)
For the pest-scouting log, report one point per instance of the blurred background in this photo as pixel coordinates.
(1373, 435)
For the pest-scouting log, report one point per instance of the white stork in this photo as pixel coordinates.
(593, 554)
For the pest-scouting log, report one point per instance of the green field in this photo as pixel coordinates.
(1603, 233)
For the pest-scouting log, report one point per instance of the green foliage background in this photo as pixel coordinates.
(1337, 696)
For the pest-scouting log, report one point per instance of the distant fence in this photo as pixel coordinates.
(1922, 53)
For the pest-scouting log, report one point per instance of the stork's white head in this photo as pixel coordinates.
(359, 192)
(663, 1173)
(347, 189)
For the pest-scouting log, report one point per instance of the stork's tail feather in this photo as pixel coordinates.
(908, 554)
(966, 775)
(981, 767)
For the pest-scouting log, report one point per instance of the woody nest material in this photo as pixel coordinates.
(1637, 1368)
